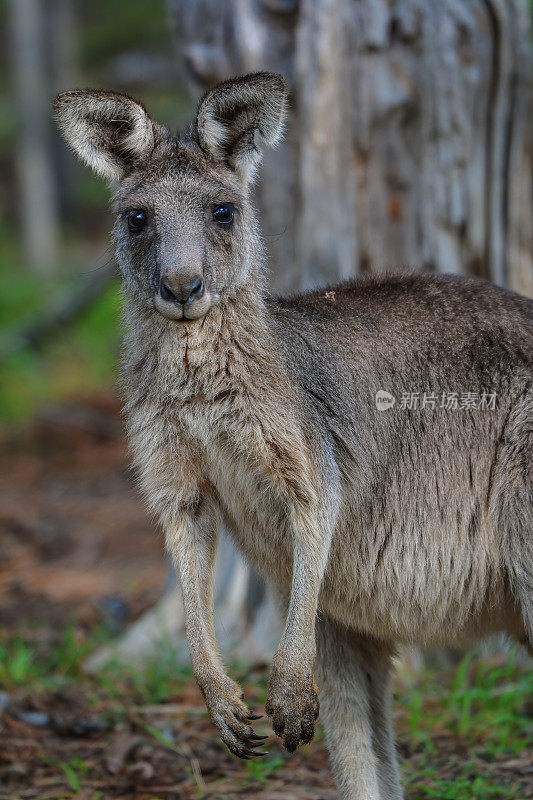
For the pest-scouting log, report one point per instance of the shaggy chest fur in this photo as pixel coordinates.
(219, 414)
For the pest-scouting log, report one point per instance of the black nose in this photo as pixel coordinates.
(182, 291)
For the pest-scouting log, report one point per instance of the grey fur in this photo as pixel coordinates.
(385, 526)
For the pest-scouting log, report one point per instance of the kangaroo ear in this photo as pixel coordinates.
(110, 132)
(233, 115)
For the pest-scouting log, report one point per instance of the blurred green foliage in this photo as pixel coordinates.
(112, 26)
(484, 706)
(82, 358)
(79, 360)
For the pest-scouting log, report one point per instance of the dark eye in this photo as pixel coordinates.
(224, 214)
(136, 219)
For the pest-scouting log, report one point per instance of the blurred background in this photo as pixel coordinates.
(409, 145)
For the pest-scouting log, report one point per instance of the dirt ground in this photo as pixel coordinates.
(76, 545)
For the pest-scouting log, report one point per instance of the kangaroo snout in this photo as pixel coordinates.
(181, 290)
(182, 296)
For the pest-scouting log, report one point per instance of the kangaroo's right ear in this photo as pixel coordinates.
(111, 133)
(236, 116)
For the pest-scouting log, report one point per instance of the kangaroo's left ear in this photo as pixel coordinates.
(236, 115)
(112, 133)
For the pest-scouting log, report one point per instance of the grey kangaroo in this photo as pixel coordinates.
(375, 523)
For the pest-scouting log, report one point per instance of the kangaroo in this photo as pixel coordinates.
(376, 522)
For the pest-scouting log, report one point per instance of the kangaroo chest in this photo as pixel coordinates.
(244, 470)
(256, 519)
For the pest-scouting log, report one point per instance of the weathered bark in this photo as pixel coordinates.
(38, 196)
(408, 142)
(62, 42)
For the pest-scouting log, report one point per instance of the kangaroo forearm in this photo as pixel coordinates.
(311, 548)
(298, 634)
(203, 648)
(192, 544)
(292, 700)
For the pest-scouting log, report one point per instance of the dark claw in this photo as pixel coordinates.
(260, 754)
(308, 730)
(255, 716)
(307, 736)
(256, 737)
(255, 744)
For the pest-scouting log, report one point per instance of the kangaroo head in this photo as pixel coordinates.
(185, 232)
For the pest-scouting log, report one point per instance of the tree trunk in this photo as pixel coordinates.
(408, 141)
(407, 146)
(63, 52)
(38, 201)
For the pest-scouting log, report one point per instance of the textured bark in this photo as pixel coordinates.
(408, 142)
(38, 196)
